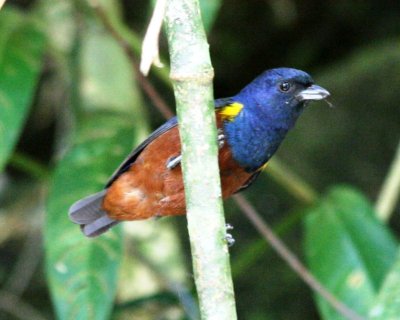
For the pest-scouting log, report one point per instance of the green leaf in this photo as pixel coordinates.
(21, 48)
(83, 272)
(107, 79)
(387, 304)
(347, 249)
(58, 15)
(209, 11)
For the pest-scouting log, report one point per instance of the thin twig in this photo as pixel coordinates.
(292, 260)
(390, 192)
(26, 264)
(13, 305)
(150, 54)
(146, 85)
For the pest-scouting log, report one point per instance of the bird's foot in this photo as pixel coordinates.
(230, 241)
(221, 138)
(175, 161)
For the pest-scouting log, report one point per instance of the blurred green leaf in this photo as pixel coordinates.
(156, 245)
(60, 26)
(387, 304)
(348, 249)
(83, 272)
(134, 39)
(21, 47)
(105, 84)
(209, 11)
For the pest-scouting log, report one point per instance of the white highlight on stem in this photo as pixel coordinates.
(150, 54)
(390, 192)
(2, 3)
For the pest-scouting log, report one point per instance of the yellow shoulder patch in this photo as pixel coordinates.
(263, 167)
(230, 111)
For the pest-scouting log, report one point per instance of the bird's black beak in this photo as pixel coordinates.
(313, 92)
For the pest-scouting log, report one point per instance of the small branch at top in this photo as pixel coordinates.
(150, 53)
(145, 84)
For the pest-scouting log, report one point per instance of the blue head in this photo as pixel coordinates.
(271, 105)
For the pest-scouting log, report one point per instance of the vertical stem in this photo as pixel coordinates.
(390, 192)
(192, 74)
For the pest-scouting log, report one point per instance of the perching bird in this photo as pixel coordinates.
(251, 126)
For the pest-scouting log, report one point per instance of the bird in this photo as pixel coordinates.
(251, 126)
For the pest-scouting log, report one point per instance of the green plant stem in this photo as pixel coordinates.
(192, 74)
(390, 192)
(295, 185)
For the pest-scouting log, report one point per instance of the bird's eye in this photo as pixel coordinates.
(285, 86)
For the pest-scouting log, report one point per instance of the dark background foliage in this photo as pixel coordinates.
(350, 47)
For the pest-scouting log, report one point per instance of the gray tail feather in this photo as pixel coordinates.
(88, 213)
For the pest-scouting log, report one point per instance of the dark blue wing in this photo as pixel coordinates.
(220, 103)
(131, 158)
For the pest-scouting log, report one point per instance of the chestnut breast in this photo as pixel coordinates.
(149, 188)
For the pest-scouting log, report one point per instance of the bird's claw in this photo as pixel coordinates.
(221, 138)
(175, 161)
(230, 241)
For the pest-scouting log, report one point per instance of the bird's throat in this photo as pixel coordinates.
(253, 142)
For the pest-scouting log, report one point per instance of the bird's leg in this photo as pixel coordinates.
(174, 161)
(228, 237)
(221, 138)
